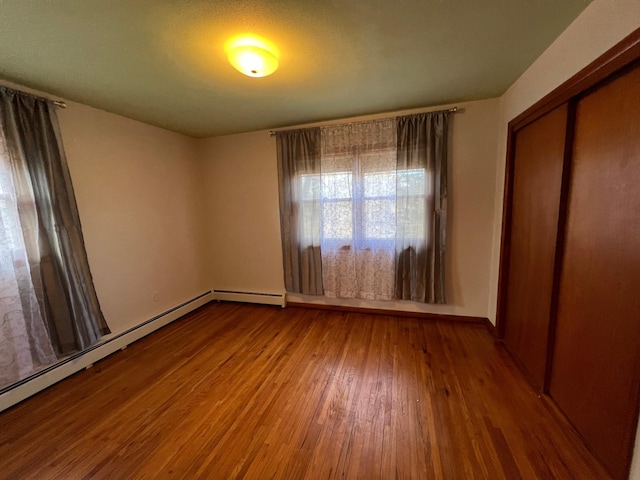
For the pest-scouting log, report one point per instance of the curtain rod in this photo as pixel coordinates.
(450, 110)
(57, 103)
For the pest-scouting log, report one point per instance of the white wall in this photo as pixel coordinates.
(138, 190)
(244, 225)
(602, 25)
(242, 212)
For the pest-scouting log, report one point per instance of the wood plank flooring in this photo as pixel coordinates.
(238, 391)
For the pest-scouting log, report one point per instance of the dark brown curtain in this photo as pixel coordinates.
(300, 209)
(421, 190)
(50, 223)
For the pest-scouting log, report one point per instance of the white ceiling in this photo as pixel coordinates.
(163, 62)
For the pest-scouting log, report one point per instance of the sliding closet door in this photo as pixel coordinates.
(596, 362)
(537, 178)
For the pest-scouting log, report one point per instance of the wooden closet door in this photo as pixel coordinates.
(537, 178)
(596, 363)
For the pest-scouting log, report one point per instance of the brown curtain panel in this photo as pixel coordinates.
(422, 189)
(300, 209)
(50, 223)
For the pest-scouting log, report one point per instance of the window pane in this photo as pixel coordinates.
(337, 220)
(337, 185)
(411, 182)
(380, 219)
(309, 187)
(381, 184)
(310, 215)
(411, 217)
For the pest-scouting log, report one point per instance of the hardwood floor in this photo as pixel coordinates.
(255, 392)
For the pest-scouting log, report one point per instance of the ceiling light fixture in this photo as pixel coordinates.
(252, 55)
(253, 61)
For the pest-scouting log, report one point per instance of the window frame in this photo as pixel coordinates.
(357, 181)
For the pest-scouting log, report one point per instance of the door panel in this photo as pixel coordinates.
(537, 179)
(596, 361)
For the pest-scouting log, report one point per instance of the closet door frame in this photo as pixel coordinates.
(605, 67)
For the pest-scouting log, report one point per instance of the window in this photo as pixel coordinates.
(24, 337)
(363, 208)
(47, 297)
(10, 233)
(378, 205)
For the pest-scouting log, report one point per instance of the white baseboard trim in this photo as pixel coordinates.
(37, 382)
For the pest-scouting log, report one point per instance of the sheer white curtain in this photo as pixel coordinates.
(358, 195)
(24, 339)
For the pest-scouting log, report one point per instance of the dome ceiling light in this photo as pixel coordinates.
(252, 55)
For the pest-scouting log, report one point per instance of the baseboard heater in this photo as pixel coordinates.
(251, 297)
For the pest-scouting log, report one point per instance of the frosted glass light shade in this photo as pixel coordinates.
(253, 61)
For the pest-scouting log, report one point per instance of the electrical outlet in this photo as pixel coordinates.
(156, 297)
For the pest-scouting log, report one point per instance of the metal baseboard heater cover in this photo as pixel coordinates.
(251, 297)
